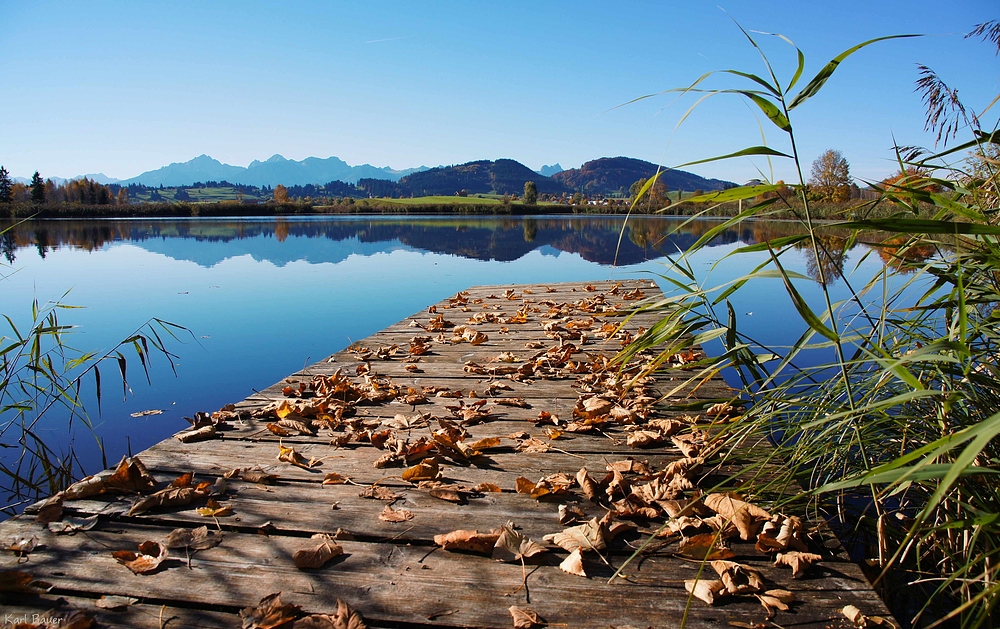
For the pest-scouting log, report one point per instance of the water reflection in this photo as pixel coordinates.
(595, 239)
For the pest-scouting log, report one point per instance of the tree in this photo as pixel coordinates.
(37, 188)
(831, 177)
(654, 198)
(5, 185)
(281, 194)
(530, 193)
(123, 196)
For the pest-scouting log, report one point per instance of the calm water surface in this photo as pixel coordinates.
(264, 297)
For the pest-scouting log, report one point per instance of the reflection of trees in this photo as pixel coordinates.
(832, 252)
(8, 247)
(903, 255)
(594, 238)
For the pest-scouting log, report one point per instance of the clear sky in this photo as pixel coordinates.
(125, 87)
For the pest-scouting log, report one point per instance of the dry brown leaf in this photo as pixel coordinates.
(115, 602)
(705, 547)
(215, 509)
(169, 497)
(737, 578)
(21, 545)
(706, 589)
(643, 438)
(468, 541)
(797, 561)
(483, 444)
(333, 478)
(570, 513)
(775, 600)
(289, 455)
(428, 469)
(199, 434)
(395, 515)
(573, 564)
(523, 617)
(448, 494)
(194, 539)
(270, 613)
(587, 484)
(588, 536)
(150, 556)
(323, 550)
(523, 486)
(745, 516)
(345, 618)
(512, 546)
(781, 533)
(50, 509)
(254, 474)
(278, 430)
(378, 492)
(72, 525)
(487, 488)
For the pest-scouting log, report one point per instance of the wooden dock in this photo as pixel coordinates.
(490, 403)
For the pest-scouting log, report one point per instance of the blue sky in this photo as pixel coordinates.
(124, 87)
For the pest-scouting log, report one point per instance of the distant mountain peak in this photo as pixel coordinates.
(550, 169)
(276, 158)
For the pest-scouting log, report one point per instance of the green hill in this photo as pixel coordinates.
(504, 176)
(614, 175)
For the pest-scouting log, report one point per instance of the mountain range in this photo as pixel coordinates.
(607, 175)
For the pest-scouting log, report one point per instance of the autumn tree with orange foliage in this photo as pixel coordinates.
(830, 179)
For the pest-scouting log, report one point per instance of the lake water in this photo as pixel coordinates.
(264, 297)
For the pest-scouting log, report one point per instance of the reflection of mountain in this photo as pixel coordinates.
(280, 241)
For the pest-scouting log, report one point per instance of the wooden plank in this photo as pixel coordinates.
(390, 571)
(392, 583)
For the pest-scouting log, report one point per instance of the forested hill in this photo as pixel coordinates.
(612, 175)
(504, 176)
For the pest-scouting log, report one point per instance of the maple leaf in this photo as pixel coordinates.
(512, 546)
(270, 613)
(193, 539)
(289, 455)
(797, 561)
(150, 556)
(345, 618)
(378, 492)
(468, 541)
(523, 617)
(316, 556)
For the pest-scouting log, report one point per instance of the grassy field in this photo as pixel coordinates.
(432, 200)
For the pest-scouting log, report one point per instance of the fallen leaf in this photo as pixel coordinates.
(487, 488)
(737, 578)
(469, 541)
(115, 602)
(317, 555)
(289, 455)
(199, 434)
(378, 492)
(747, 517)
(214, 509)
(705, 589)
(254, 474)
(588, 536)
(20, 582)
(587, 484)
(152, 411)
(169, 497)
(270, 613)
(705, 547)
(21, 545)
(333, 478)
(150, 556)
(395, 515)
(428, 469)
(448, 494)
(570, 513)
(573, 564)
(194, 539)
(345, 618)
(797, 561)
(523, 617)
(50, 509)
(278, 430)
(781, 533)
(72, 525)
(775, 600)
(512, 546)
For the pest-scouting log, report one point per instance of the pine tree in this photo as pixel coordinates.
(37, 188)
(5, 185)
